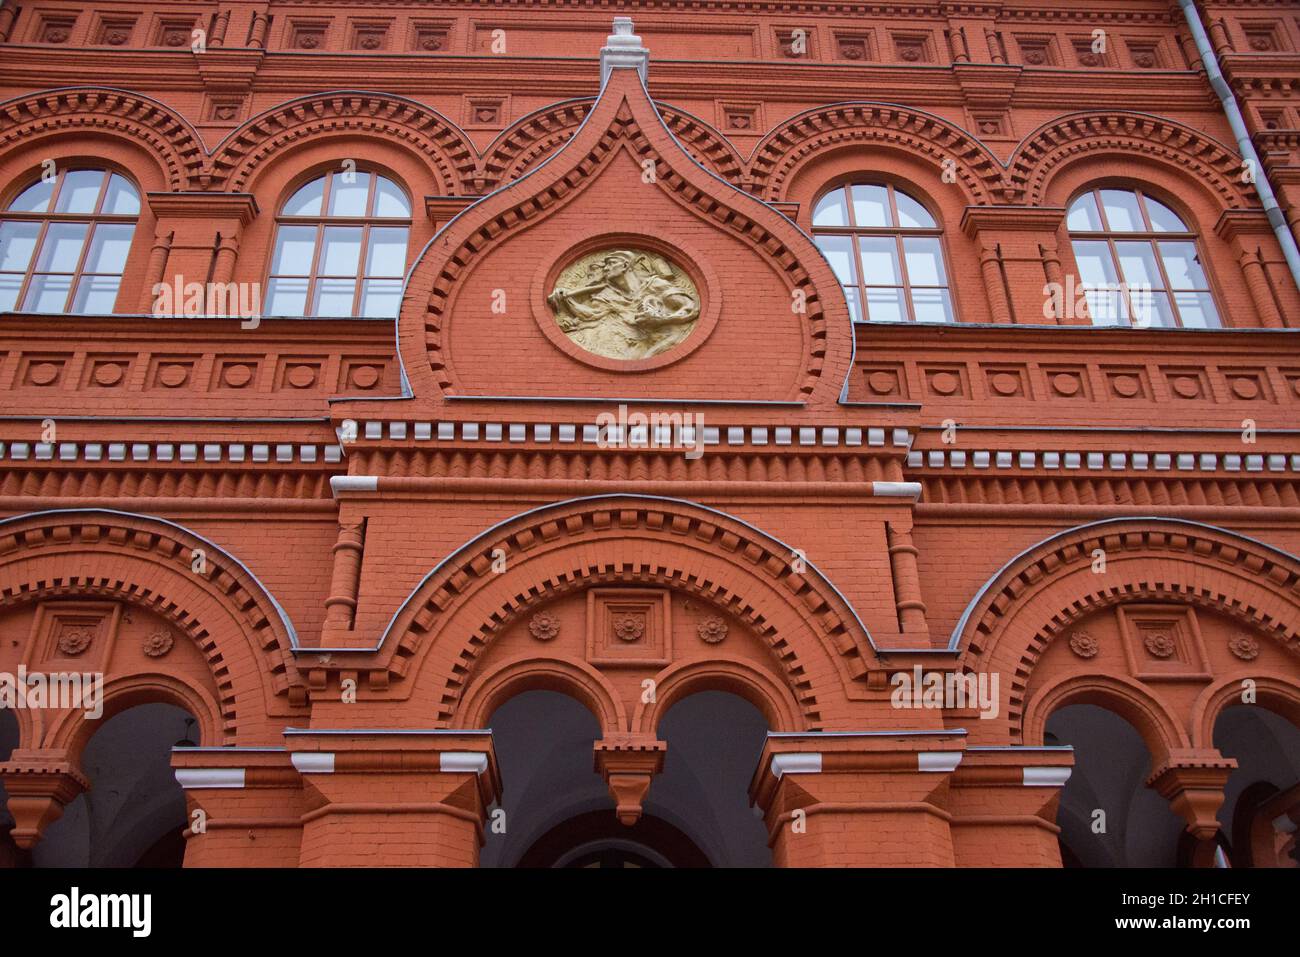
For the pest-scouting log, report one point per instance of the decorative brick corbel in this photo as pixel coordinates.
(1192, 782)
(628, 763)
(40, 784)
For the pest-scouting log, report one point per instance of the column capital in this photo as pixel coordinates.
(628, 763)
(40, 784)
(1192, 781)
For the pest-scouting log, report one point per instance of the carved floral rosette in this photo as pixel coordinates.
(544, 626)
(712, 630)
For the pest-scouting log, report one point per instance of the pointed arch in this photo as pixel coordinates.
(446, 147)
(625, 119)
(1044, 152)
(864, 122)
(530, 140)
(202, 590)
(155, 127)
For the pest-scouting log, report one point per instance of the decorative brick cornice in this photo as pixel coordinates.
(920, 133)
(1142, 134)
(158, 129)
(449, 151)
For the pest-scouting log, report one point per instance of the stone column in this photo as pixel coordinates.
(341, 605)
(907, 581)
(858, 799)
(1004, 801)
(394, 798)
(244, 806)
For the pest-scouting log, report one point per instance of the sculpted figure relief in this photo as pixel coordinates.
(625, 303)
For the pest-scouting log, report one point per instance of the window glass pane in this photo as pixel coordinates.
(109, 245)
(1182, 266)
(306, 202)
(886, 305)
(1096, 268)
(340, 251)
(880, 261)
(1163, 219)
(80, 191)
(838, 251)
(387, 253)
(96, 294)
(389, 200)
(17, 241)
(1151, 309)
(924, 261)
(1083, 215)
(911, 214)
(121, 198)
(62, 247)
(871, 206)
(1197, 310)
(931, 305)
(286, 297)
(348, 193)
(1106, 306)
(1122, 211)
(831, 211)
(1137, 261)
(47, 294)
(294, 246)
(9, 286)
(380, 298)
(334, 297)
(34, 199)
(855, 308)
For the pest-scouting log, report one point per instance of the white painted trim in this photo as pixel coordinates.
(1046, 777)
(939, 761)
(353, 483)
(796, 763)
(313, 762)
(1106, 461)
(452, 762)
(192, 778)
(896, 489)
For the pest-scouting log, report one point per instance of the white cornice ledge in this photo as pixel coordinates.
(938, 761)
(451, 762)
(313, 762)
(192, 778)
(783, 764)
(1046, 777)
(896, 489)
(354, 483)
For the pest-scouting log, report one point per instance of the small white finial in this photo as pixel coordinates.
(623, 50)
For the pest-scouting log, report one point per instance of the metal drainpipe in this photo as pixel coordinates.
(1235, 120)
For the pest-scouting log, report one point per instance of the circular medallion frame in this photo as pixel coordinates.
(682, 256)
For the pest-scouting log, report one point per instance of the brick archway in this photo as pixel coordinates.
(1040, 593)
(243, 635)
(816, 643)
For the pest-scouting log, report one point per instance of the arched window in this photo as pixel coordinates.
(340, 248)
(1138, 262)
(885, 248)
(64, 242)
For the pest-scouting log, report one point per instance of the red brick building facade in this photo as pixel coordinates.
(807, 434)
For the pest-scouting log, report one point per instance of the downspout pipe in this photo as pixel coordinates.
(1238, 123)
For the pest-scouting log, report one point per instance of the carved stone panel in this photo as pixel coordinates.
(625, 303)
(629, 626)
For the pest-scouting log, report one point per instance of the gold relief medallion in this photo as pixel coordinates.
(625, 303)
